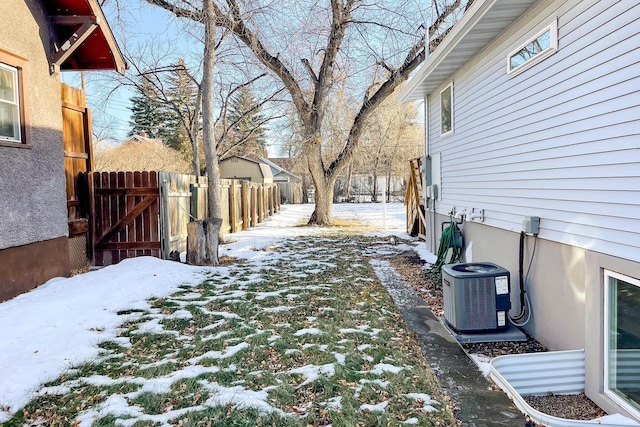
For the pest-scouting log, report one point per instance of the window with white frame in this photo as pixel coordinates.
(9, 104)
(446, 110)
(622, 340)
(541, 45)
(13, 117)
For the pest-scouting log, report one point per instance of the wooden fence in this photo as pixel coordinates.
(146, 213)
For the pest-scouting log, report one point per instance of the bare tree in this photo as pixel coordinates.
(208, 114)
(392, 137)
(331, 42)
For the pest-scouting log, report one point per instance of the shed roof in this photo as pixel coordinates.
(278, 168)
(83, 39)
(265, 170)
(484, 20)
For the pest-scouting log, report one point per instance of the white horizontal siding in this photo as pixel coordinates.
(560, 140)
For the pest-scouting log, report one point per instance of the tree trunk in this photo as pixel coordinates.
(388, 185)
(210, 153)
(374, 192)
(305, 193)
(347, 184)
(193, 133)
(324, 182)
(212, 230)
(324, 202)
(202, 241)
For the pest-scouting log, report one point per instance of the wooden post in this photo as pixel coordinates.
(254, 206)
(260, 203)
(165, 217)
(232, 205)
(92, 216)
(279, 198)
(196, 243)
(245, 205)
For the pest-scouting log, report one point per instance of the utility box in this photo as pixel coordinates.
(531, 225)
(476, 296)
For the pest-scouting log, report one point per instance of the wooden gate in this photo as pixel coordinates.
(125, 215)
(76, 137)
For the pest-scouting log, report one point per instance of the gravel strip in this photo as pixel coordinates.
(571, 406)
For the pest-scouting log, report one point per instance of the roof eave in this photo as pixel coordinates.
(468, 37)
(78, 24)
(120, 65)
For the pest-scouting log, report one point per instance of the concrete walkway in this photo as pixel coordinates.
(460, 378)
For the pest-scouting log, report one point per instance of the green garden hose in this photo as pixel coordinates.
(448, 240)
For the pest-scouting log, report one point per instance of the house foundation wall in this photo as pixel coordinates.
(566, 289)
(23, 268)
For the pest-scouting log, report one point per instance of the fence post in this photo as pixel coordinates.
(260, 204)
(92, 217)
(279, 197)
(245, 206)
(254, 206)
(232, 205)
(165, 222)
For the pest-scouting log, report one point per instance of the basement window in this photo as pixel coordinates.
(13, 117)
(622, 340)
(543, 44)
(446, 110)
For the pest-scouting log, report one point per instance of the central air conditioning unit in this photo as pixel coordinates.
(476, 296)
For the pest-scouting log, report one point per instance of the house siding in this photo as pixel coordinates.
(32, 181)
(559, 140)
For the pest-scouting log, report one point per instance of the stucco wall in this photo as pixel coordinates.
(32, 181)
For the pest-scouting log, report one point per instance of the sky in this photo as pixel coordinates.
(136, 26)
(140, 27)
(58, 324)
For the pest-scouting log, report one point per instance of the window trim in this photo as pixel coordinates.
(18, 63)
(552, 27)
(450, 131)
(608, 275)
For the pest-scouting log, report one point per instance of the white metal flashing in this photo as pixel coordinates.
(558, 372)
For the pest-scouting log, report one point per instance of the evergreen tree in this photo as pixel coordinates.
(181, 98)
(164, 106)
(148, 114)
(248, 129)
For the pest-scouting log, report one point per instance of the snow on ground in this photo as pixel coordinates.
(57, 325)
